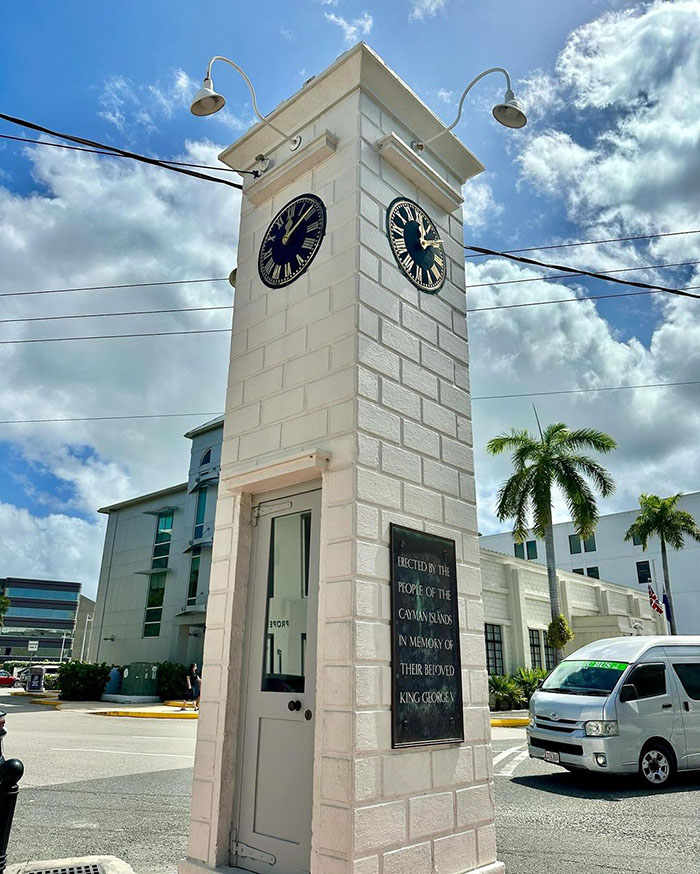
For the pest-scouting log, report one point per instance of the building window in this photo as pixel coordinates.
(574, 544)
(194, 576)
(593, 572)
(549, 655)
(494, 649)
(643, 573)
(200, 513)
(531, 547)
(519, 549)
(636, 541)
(154, 605)
(535, 648)
(589, 543)
(164, 534)
(206, 458)
(578, 570)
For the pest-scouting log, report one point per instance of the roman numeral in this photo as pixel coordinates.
(287, 270)
(438, 259)
(276, 272)
(398, 217)
(300, 260)
(409, 212)
(400, 244)
(268, 265)
(407, 262)
(435, 272)
(314, 226)
(308, 243)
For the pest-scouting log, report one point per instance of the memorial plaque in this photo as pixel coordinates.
(426, 663)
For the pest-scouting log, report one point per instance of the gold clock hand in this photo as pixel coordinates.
(285, 238)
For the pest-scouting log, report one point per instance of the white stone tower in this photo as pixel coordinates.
(347, 410)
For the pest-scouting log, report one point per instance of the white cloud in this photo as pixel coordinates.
(422, 9)
(288, 35)
(352, 30)
(480, 207)
(446, 96)
(58, 547)
(97, 221)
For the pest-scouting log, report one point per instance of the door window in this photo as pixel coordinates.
(287, 599)
(689, 675)
(649, 680)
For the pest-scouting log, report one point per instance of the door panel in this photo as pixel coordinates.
(274, 808)
(687, 674)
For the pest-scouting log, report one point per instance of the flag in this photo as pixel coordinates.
(667, 606)
(654, 601)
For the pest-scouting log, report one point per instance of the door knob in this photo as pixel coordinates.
(294, 705)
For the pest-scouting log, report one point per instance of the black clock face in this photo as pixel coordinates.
(292, 241)
(416, 244)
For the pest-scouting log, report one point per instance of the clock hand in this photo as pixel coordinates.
(425, 242)
(285, 238)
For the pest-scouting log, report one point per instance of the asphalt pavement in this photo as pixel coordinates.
(96, 785)
(551, 822)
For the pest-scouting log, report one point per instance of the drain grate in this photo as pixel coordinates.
(90, 868)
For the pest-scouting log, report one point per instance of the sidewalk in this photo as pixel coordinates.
(106, 708)
(509, 718)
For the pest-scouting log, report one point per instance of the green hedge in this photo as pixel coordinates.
(171, 680)
(82, 681)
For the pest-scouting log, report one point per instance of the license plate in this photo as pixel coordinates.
(549, 756)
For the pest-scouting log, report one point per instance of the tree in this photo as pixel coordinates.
(4, 607)
(553, 460)
(659, 517)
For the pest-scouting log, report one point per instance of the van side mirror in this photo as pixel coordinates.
(540, 682)
(628, 693)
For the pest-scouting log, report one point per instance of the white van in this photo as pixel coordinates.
(625, 705)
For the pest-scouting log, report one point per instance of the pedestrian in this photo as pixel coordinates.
(194, 684)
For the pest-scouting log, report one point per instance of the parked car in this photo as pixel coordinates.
(49, 671)
(6, 679)
(626, 705)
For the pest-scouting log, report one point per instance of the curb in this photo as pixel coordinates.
(509, 723)
(138, 714)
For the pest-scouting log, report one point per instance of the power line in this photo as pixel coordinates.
(113, 336)
(104, 287)
(115, 154)
(576, 391)
(520, 259)
(540, 303)
(123, 152)
(105, 418)
(565, 276)
(590, 242)
(127, 313)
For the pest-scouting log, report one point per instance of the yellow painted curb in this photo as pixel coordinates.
(47, 694)
(176, 704)
(509, 723)
(139, 714)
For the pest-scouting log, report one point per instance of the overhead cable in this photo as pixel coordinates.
(541, 303)
(123, 152)
(127, 313)
(592, 242)
(105, 418)
(104, 287)
(580, 391)
(522, 260)
(112, 336)
(116, 154)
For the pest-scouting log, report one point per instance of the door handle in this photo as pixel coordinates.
(686, 706)
(294, 705)
(666, 706)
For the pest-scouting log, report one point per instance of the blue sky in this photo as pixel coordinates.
(610, 150)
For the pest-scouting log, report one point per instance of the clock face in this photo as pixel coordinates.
(291, 242)
(416, 244)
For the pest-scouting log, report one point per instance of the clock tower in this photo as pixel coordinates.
(344, 723)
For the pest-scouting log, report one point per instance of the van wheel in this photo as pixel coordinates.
(657, 765)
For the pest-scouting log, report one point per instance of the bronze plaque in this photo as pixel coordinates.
(426, 663)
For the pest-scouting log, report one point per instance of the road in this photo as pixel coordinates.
(551, 822)
(136, 809)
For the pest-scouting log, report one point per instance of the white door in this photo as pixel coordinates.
(274, 810)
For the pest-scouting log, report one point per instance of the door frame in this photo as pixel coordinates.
(258, 498)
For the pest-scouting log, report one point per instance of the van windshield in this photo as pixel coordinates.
(584, 678)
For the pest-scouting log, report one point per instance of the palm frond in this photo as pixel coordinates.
(591, 468)
(590, 438)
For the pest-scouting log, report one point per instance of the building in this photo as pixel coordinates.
(154, 577)
(44, 611)
(607, 555)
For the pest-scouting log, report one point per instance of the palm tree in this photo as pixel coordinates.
(660, 518)
(553, 460)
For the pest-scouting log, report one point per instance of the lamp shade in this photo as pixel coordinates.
(510, 113)
(206, 101)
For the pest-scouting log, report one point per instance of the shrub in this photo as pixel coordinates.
(505, 692)
(559, 633)
(171, 680)
(528, 680)
(51, 682)
(82, 681)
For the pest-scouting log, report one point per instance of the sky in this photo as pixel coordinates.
(610, 150)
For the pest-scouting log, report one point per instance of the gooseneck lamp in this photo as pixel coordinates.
(509, 113)
(207, 101)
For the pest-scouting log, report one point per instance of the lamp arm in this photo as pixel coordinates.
(464, 94)
(252, 94)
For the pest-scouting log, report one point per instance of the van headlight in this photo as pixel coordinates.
(602, 728)
(531, 720)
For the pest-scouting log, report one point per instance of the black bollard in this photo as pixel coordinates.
(11, 771)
